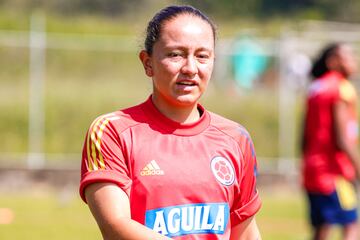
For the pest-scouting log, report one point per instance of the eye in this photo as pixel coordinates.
(203, 56)
(174, 54)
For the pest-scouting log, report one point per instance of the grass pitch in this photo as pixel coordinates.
(53, 216)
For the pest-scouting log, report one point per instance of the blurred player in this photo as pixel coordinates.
(331, 159)
(168, 168)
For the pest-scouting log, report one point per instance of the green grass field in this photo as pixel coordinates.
(283, 216)
(47, 216)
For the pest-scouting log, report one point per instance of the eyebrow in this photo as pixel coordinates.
(185, 48)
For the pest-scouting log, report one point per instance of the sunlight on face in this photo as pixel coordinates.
(192, 29)
(347, 63)
(182, 61)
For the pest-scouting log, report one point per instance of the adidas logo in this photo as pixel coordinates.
(152, 168)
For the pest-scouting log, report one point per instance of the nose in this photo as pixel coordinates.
(190, 67)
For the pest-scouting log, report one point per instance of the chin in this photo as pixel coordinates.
(187, 100)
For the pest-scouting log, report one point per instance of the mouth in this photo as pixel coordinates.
(187, 83)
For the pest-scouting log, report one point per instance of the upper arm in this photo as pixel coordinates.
(109, 204)
(344, 113)
(246, 230)
(340, 118)
(111, 208)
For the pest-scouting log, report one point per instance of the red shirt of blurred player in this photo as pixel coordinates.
(330, 130)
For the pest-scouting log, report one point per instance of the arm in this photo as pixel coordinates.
(110, 207)
(342, 141)
(246, 230)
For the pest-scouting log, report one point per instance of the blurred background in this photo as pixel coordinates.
(65, 62)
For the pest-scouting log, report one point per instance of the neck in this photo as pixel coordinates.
(342, 73)
(181, 114)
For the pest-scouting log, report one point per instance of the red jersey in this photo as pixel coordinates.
(185, 181)
(323, 160)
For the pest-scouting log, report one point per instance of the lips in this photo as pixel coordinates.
(187, 83)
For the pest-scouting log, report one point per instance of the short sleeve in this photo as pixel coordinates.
(103, 158)
(247, 201)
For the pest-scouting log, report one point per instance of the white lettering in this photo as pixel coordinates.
(204, 222)
(174, 220)
(159, 224)
(220, 221)
(187, 222)
(188, 219)
(197, 217)
(151, 172)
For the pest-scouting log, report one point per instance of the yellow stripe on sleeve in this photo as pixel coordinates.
(88, 143)
(98, 143)
(92, 164)
(90, 168)
(94, 139)
(88, 151)
(93, 150)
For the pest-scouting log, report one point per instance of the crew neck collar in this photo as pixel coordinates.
(169, 126)
(336, 75)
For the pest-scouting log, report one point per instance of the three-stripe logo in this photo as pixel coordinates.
(152, 168)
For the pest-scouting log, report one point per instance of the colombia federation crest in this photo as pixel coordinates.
(223, 170)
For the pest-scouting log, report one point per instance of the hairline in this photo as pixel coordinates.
(186, 13)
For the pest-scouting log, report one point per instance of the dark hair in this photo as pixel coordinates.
(320, 67)
(154, 26)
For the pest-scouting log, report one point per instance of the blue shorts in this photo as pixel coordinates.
(339, 207)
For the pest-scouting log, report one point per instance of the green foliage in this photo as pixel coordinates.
(12, 20)
(104, 7)
(227, 7)
(265, 9)
(82, 24)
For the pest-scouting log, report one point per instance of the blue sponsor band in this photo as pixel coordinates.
(189, 219)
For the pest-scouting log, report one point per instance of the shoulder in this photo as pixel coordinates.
(119, 120)
(232, 129)
(344, 89)
(327, 84)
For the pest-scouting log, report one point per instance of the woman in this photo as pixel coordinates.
(331, 158)
(168, 164)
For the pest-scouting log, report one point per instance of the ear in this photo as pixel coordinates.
(146, 61)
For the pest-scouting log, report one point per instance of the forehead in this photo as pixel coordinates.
(345, 50)
(186, 27)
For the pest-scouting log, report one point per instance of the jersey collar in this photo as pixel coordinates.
(168, 126)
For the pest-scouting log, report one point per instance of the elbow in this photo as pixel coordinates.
(114, 228)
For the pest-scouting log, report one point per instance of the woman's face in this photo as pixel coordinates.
(345, 60)
(182, 61)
